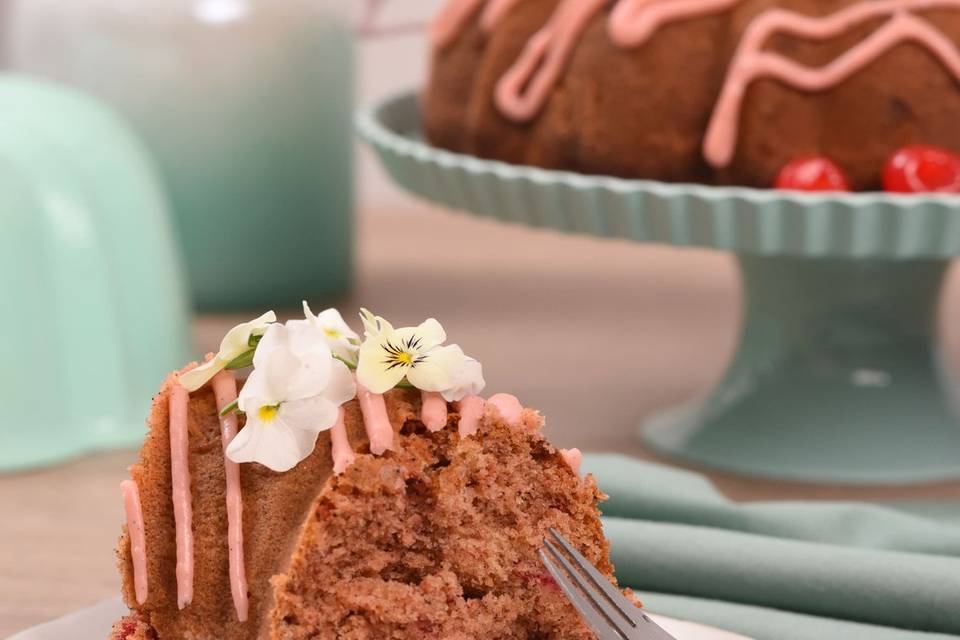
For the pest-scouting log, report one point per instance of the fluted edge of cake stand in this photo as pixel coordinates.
(745, 220)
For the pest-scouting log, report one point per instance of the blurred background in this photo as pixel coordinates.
(168, 169)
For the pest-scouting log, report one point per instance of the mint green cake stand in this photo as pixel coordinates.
(837, 376)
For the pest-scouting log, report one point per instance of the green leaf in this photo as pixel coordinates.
(227, 409)
(242, 361)
(254, 340)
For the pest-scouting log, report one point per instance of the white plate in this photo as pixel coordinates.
(93, 623)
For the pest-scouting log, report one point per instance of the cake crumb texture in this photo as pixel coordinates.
(132, 627)
(439, 540)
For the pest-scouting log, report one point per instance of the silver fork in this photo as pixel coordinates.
(606, 611)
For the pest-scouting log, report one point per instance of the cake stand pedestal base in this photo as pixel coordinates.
(837, 378)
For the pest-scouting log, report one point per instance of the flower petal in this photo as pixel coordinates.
(280, 372)
(295, 359)
(431, 332)
(311, 415)
(467, 381)
(306, 337)
(417, 340)
(337, 333)
(312, 376)
(306, 441)
(436, 370)
(200, 375)
(331, 319)
(273, 445)
(255, 393)
(342, 386)
(237, 339)
(273, 338)
(308, 343)
(236, 342)
(406, 339)
(374, 325)
(374, 370)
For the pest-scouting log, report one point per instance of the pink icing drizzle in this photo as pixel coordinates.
(509, 407)
(343, 455)
(136, 533)
(225, 390)
(523, 90)
(182, 507)
(494, 12)
(633, 22)
(374, 410)
(433, 410)
(751, 62)
(455, 14)
(471, 412)
(451, 21)
(573, 458)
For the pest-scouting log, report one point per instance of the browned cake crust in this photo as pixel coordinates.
(437, 539)
(274, 506)
(642, 112)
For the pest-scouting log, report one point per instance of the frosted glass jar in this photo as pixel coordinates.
(245, 105)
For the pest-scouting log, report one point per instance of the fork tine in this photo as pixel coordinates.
(630, 613)
(612, 614)
(597, 623)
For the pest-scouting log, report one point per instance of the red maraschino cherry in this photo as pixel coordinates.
(922, 168)
(812, 173)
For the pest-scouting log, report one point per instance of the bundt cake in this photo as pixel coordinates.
(294, 510)
(708, 91)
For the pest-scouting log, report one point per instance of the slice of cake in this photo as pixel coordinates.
(332, 498)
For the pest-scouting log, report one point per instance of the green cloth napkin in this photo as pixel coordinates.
(763, 623)
(781, 570)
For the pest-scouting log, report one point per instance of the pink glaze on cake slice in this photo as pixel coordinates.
(433, 411)
(180, 479)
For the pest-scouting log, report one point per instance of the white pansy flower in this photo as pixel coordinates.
(387, 355)
(467, 381)
(293, 394)
(233, 345)
(342, 340)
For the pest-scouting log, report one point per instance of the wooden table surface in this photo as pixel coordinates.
(596, 334)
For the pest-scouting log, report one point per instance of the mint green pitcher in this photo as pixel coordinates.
(91, 294)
